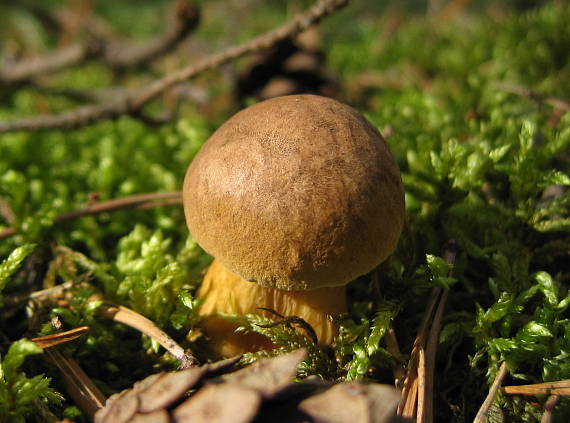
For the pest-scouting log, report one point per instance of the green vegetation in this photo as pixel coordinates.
(483, 166)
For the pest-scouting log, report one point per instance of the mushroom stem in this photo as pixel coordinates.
(225, 292)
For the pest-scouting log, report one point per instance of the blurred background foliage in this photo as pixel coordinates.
(461, 90)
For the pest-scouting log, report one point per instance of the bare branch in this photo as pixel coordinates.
(134, 201)
(133, 103)
(115, 54)
(125, 55)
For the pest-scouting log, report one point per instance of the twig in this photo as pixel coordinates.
(14, 301)
(121, 56)
(116, 55)
(132, 104)
(133, 319)
(133, 201)
(555, 102)
(546, 388)
(549, 405)
(483, 412)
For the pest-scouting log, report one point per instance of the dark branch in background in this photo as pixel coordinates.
(118, 55)
(125, 55)
(133, 201)
(132, 104)
(6, 211)
(554, 102)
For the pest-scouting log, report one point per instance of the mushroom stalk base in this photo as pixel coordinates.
(225, 292)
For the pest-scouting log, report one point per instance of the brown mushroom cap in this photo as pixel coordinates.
(295, 193)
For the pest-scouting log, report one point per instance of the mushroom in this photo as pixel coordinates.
(294, 197)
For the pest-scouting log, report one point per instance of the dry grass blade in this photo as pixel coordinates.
(60, 338)
(483, 412)
(417, 396)
(133, 319)
(431, 351)
(408, 401)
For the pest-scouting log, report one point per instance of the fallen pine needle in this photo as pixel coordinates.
(78, 385)
(60, 338)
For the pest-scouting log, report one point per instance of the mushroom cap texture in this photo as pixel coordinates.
(297, 192)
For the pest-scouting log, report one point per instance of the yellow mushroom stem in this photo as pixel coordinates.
(225, 292)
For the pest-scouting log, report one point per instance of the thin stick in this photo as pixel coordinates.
(15, 301)
(135, 320)
(547, 388)
(132, 104)
(133, 201)
(483, 412)
(551, 402)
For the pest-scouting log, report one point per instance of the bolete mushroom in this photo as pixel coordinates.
(294, 197)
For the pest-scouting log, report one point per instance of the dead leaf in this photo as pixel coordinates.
(268, 376)
(221, 403)
(354, 403)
